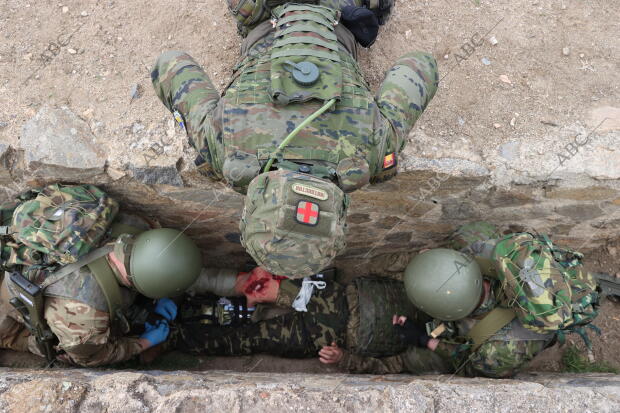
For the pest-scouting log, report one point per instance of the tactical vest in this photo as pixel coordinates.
(276, 87)
(377, 300)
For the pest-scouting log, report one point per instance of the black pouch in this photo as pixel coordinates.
(362, 22)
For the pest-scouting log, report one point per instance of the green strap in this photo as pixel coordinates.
(489, 325)
(325, 12)
(107, 281)
(306, 52)
(68, 269)
(305, 40)
(294, 133)
(305, 28)
(307, 17)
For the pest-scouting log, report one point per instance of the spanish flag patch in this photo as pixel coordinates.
(389, 161)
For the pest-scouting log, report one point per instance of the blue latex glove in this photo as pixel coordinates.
(156, 333)
(166, 308)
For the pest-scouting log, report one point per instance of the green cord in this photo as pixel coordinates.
(290, 137)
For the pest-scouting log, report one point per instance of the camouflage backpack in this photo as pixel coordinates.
(55, 224)
(546, 286)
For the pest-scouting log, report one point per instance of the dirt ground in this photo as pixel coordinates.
(554, 67)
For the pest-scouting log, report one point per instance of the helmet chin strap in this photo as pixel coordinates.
(119, 270)
(294, 133)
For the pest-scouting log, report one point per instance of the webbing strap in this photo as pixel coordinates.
(304, 40)
(306, 17)
(107, 281)
(489, 325)
(305, 28)
(327, 13)
(68, 269)
(306, 52)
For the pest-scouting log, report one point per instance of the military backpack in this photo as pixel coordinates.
(56, 224)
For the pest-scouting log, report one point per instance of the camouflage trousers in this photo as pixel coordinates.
(13, 333)
(294, 334)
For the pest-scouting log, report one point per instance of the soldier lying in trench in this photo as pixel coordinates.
(371, 325)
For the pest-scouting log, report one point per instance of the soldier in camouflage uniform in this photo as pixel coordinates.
(468, 341)
(77, 309)
(293, 318)
(297, 127)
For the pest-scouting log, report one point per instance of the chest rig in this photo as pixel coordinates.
(299, 69)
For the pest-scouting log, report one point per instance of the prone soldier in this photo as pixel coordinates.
(298, 128)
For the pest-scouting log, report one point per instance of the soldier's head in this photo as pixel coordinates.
(158, 263)
(444, 283)
(293, 224)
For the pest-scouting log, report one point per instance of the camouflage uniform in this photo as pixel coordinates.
(502, 355)
(76, 312)
(354, 143)
(334, 314)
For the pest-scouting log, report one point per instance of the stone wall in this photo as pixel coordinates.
(103, 391)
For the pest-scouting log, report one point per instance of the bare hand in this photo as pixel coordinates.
(331, 354)
(399, 319)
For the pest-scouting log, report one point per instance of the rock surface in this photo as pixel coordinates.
(156, 391)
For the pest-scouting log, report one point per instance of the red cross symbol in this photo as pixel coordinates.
(307, 213)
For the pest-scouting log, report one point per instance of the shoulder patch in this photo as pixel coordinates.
(310, 191)
(389, 161)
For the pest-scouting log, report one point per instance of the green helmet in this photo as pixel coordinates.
(293, 224)
(164, 262)
(445, 284)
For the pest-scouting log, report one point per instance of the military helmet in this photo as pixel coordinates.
(163, 263)
(444, 283)
(293, 224)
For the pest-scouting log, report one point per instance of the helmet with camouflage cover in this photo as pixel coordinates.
(293, 223)
(163, 262)
(444, 283)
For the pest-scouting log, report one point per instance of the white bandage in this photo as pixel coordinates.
(305, 293)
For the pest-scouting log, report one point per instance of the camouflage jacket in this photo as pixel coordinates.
(353, 143)
(83, 329)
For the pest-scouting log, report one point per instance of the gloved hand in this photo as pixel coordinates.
(166, 308)
(412, 334)
(156, 333)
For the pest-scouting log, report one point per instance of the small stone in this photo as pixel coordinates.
(65, 9)
(136, 91)
(493, 40)
(582, 55)
(3, 125)
(485, 61)
(461, 121)
(513, 121)
(408, 34)
(497, 125)
(137, 127)
(447, 56)
(88, 114)
(84, 14)
(71, 51)
(505, 79)
(613, 251)
(566, 51)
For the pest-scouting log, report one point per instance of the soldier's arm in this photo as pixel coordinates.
(184, 87)
(84, 334)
